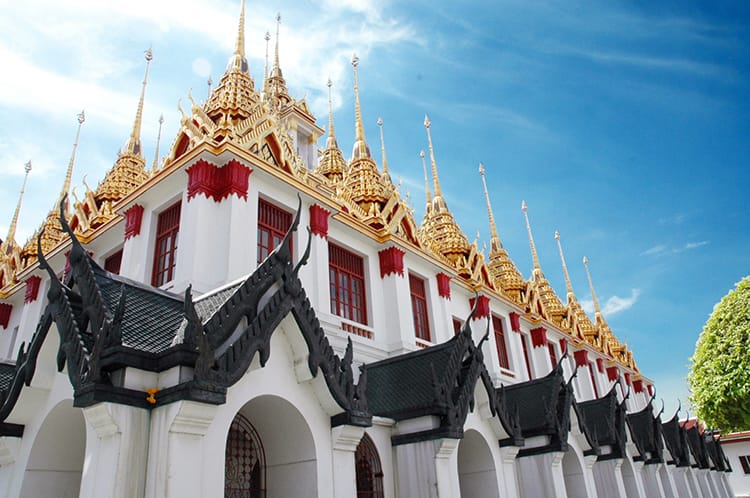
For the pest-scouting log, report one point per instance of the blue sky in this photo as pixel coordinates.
(624, 125)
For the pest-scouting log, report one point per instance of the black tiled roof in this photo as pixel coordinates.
(533, 400)
(152, 317)
(646, 432)
(676, 441)
(603, 422)
(6, 375)
(404, 386)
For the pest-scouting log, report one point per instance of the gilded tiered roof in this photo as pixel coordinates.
(275, 86)
(363, 184)
(504, 273)
(331, 163)
(439, 230)
(541, 298)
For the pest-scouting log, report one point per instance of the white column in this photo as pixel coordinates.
(314, 274)
(667, 481)
(608, 478)
(541, 475)
(508, 476)
(702, 478)
(116, 451)
(345, 439)
(651, 481)
(428, 469)
(638, 478)
(680, 478)
(399, 321)
(176, 449)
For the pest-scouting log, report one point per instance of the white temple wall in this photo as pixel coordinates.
(541, 475)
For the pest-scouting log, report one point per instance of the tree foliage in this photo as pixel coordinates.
(720, 377)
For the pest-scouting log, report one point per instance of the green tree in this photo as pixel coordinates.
(720, 377)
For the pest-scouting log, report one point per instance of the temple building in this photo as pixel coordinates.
(262, 316)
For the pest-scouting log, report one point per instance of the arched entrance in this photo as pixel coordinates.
(55, 463)
(575, 482)
(368, 469)
(270, 452)
(477, 477)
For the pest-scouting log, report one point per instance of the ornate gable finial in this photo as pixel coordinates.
(69, 173)
(382, 148)
(568, 285)
(133, 147)
(427, 192)
(598, 311)
(155, 166)
(534, 256)
(435, 180)
(10, 239)
(361, 149)
(332, 164)
(267, 37)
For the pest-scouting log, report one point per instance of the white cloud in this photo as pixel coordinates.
(662, 249)
(614, 304)
(695, 245)
(657, 249)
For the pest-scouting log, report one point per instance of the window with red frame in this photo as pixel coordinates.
(273, 223)
(167, 231)
(346, 272)
(419, 307)
(369, 473)
(593, 380)
(552, 354)
(113, 262)
(502, 349)
(525, 345)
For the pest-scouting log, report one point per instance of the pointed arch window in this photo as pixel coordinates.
(369, 472)
(245, 461)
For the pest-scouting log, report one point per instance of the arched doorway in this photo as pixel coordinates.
(245, 461)
(477, 477)
(575, 482)
(55, 463)
(368, 469)
(270, 452)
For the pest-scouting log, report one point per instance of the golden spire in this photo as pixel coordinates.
(427, 193)
(267, 37)
(435, 180)
(568, 285)
(239, 47)
(10, 239)
(382, 148)
(69, 174)
(134, 143)
(332, 163)
(495, 243)
(598, 311)
(276, 65)
(276, 84)
(158, 140)
(361, 149)
(534, 256)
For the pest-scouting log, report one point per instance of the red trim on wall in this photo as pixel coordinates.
(539, 337)
(319, 221)
(5, 311)
(133, 219)
(563, 345)
(444, 285)
(638, 386)
(582, 357)
(627, 378)
(218, 182)
(32, 289)
(650, 388)
(612, 374)
(483, 307)
(515, 321)
(600, 365)
(391, 261)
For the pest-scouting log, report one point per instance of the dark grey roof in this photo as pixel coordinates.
(602, 421)
(676, 440)
(152, 317)
(404, 386)
(645, 430)
(6, 375)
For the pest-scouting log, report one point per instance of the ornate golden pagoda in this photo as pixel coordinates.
(363, 184)
(10, 251)
(541, 298)
(578, 321)
(504, 273)
(331, 163)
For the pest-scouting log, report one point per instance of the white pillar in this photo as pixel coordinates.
(176, 449)
(398, 318)
(345, 439)
(428, 469)
(667, 481)
(508, 485)
(541, 475)
(116, 451)
(638, 478)
(608, 478)
(651, 481)
(680, 478)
